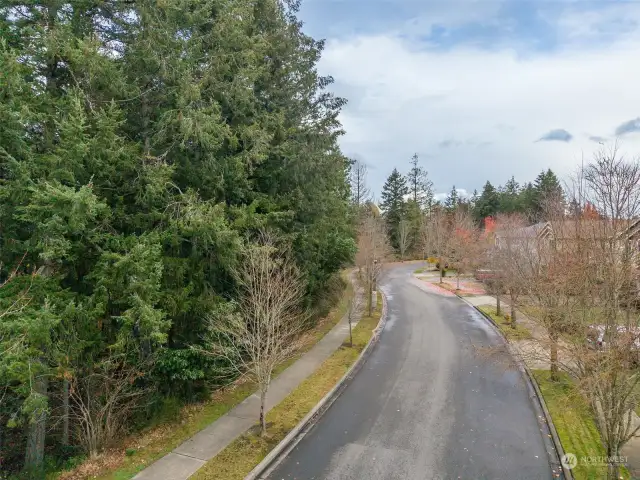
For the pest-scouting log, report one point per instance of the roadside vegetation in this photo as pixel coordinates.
(145, 148)
(180, 423)
(510, 330)
(241, 456)
(574, 422)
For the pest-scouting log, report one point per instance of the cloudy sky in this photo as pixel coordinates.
(481, 89)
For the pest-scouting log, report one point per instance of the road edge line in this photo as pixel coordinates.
(278, 453)
(532, 383)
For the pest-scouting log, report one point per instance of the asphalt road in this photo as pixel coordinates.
(433, 401)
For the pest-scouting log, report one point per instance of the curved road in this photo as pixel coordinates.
(433, 401)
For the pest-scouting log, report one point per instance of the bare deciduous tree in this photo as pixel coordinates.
(424, 235)
(610, 380)
(360, 192)
(354, 311)
(373, 251)
(509, 258)
(464, 243)
(583, 284)
(103, 399)
(611, 184)
(404, 238)
(265, 330)
(438, 236)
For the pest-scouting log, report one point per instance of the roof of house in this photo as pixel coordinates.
(538, 230)
(567, 229)
(603, 228)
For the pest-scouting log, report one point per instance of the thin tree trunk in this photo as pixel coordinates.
(513, 309)
(370, 299)
(613, 467)
(458, 279)
(628, 314)
(553, 367)
(498, 303)
(65, 411)
(263, 420)
(441, 269)
(350, 334)
(34, 457)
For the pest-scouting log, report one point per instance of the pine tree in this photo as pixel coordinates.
(452, 200)
(548, 194)
(419, 185)
(527, 200)
(487, 204)
(393, 203)
(510, 197)
(415, 218)
(140, 146)
(473, 200)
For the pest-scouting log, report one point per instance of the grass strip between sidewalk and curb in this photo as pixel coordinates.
(247, 451)
(156, 442)
(518, 333)
(571, 417)
(574, 422)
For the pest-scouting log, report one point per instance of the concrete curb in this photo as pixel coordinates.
(278, 453)
(533, 385)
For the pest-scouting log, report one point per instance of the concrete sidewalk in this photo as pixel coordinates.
(185, 460)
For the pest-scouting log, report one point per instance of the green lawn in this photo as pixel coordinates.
(593, 315)
(573, 419)
(154, 443)
(242, 455)
(505, 326)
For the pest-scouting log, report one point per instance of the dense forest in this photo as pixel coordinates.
(142, 144)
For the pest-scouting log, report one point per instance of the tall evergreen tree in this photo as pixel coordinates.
(487, 204)
(473, 200)
(393, 203)
(548, 194)
(510, 197)
(141, 145)
(527, 199)
(452, 200)
(419, 185)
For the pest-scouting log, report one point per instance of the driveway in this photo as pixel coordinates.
(437, 399)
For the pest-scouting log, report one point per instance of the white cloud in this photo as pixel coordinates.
(462, 193)
(577, 25)
(409, 100)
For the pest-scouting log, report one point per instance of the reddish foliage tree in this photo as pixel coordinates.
(590, 212)
(489, 225)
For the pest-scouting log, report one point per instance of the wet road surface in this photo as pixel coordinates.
(433, 401)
